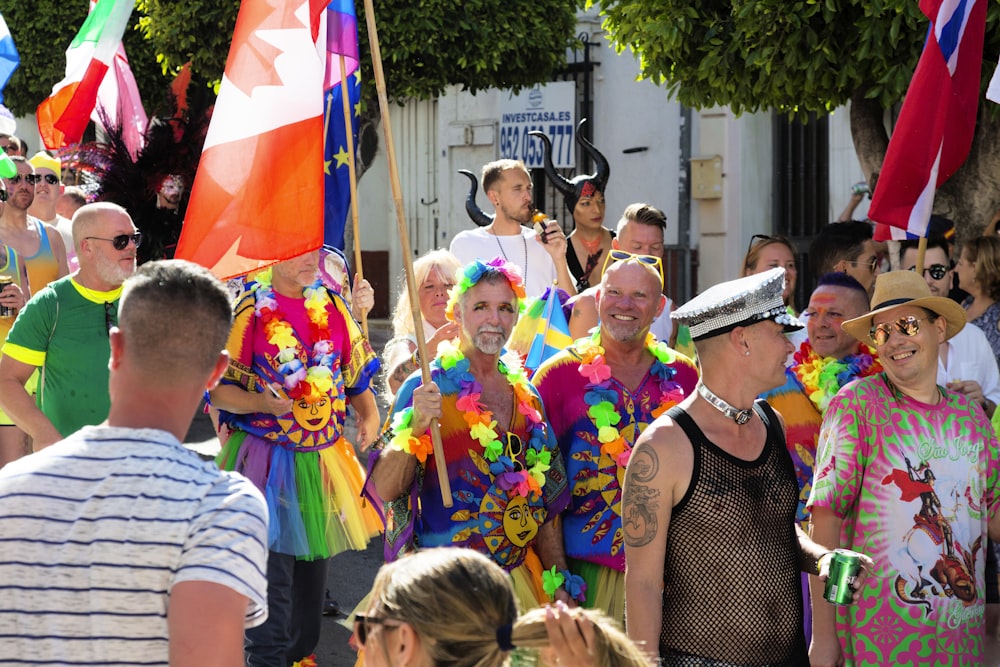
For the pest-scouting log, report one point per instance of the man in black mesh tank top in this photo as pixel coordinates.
(712, 550)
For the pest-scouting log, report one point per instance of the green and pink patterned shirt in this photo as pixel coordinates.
(914, 484)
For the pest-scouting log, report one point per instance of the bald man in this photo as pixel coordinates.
(63, 329)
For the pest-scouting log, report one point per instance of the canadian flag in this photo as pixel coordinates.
(257, 197)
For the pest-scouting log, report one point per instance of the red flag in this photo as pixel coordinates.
(258, 195)
(934, 132)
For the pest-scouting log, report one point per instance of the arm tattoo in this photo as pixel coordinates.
(640, 503)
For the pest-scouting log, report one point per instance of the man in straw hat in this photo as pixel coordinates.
(710, 498)
(906, 469)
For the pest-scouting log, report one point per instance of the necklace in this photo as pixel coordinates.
(314, 382)
(451, 373)
(822, 377)
(603, 398)
(741, 417)
(523, 241)
(590, 246)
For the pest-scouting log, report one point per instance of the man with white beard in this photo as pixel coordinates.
(63, 329)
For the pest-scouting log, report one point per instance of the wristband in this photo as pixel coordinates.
(553, 580)
(819, 561)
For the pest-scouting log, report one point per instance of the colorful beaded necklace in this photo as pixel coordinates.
(602, 397)
(309, 383)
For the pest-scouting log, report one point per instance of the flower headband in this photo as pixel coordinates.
(471, 274)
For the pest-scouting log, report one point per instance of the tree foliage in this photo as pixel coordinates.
(426, 46)
(792, 55)
(43, 29)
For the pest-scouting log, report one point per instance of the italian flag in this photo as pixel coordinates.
(63, 117)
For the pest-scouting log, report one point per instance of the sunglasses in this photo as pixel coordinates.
(872, 264)
(361, 623)
(108, 320)
(30, 179)
(937, 271)
(761, 238)
(623, 256)
(48, 178)
(3, 195)
(908, 326)
(120, 242)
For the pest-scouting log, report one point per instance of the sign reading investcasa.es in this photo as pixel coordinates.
(549, 108)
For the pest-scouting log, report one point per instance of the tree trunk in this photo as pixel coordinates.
(971, 197)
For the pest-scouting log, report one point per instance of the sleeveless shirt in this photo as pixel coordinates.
(732, 588)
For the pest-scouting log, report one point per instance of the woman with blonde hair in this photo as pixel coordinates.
(765, 253)
(978, 271)
(456, 607)
(434, 272)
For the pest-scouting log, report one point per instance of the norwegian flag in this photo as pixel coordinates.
(936, 124)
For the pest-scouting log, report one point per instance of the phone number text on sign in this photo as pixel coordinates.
(517, 144)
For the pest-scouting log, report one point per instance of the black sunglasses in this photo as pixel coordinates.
(108, 320)
(30, 179)
(937, 271)
(48, 178)
(3, 195)
(120, 242)
(361, 623)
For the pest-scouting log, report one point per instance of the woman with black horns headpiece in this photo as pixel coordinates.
(590, 242)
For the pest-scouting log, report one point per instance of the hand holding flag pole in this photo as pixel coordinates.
(411, 281)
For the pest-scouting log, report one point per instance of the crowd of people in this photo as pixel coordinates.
(623, 504)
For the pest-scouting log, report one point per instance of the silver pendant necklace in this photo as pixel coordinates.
(741, 417)
(524, 277)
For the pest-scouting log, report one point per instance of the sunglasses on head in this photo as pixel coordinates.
(651, 261)
(937, 271)
(30, 179)
(908, 326)
(120, 242)
(361, 623)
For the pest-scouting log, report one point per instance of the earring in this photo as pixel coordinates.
(747, 353)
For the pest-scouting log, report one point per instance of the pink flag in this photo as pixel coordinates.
(118, 97)
(936, 124)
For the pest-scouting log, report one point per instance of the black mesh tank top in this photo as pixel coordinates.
(732, 588)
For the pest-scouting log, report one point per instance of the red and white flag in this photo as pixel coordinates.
(936, 124)
(257, 197)
(63, 116)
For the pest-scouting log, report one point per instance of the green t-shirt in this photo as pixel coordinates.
(63, 329)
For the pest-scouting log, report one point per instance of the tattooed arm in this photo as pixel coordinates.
(657, 476)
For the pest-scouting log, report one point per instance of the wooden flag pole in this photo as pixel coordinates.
(348, 131)
(921, 251)
(404, 239)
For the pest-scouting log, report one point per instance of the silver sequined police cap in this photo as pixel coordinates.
(737, 303)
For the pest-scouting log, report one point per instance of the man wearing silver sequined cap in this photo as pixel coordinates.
(712, 550)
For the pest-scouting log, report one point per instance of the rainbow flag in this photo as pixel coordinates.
(541, 330)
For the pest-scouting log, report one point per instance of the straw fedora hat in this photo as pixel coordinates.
(905, 288)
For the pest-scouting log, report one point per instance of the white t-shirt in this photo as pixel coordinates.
(970, 357)
(537, 267)
(99, 527)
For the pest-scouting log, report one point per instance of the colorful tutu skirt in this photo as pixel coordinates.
(313, 497)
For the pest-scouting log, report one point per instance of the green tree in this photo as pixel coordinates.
(800, 56)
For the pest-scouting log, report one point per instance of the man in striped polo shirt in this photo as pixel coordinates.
(119, 546)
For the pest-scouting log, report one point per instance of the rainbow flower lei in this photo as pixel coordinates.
(822, 377)
(602, 397)
(451, 374)
(314, 382)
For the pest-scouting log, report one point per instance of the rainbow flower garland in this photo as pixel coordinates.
(602, 397)
(314, 382)
(822, 377)
(472, 273)
(451, 374)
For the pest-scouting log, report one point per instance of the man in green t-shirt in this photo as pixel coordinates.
(63, 330)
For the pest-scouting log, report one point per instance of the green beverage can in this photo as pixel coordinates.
(844, 568)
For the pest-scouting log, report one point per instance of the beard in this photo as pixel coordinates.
(113, 272)
(486, 341)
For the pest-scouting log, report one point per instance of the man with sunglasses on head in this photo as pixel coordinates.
(48, 189)
(907, 470)
(63, 330)
(600, 394)
(640, 232)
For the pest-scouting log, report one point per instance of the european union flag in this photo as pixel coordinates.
(342, 40)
